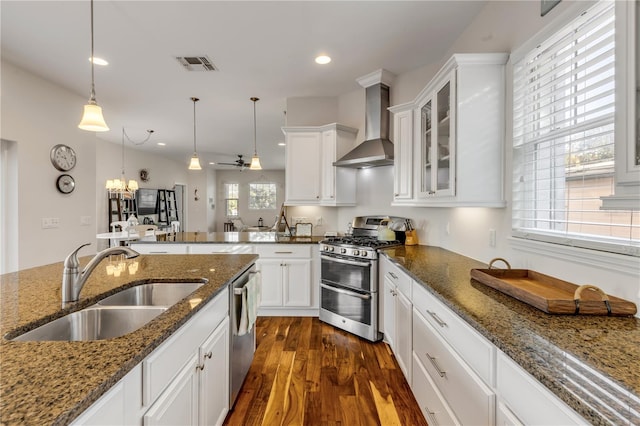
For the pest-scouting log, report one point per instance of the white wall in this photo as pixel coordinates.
(38, 115)
(244, 178)
(163, 172)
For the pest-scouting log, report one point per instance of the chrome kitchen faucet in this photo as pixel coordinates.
(73, 280)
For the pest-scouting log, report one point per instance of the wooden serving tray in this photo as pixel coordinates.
(552, 295)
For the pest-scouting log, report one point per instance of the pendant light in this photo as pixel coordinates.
(255, 161)
(92, 118)
(195, 161)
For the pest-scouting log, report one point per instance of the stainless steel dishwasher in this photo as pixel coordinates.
(242, 347)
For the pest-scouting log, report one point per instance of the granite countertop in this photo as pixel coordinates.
(590, 362)
(233, 238)
(54, 382)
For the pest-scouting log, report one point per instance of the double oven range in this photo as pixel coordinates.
(349, 276)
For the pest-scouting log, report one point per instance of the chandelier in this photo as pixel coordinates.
(119, 187)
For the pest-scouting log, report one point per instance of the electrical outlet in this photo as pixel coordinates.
(447, 229)
(319, 221)
(492, 237)
(50, 222)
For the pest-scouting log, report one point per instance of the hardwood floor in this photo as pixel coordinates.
(306, 372)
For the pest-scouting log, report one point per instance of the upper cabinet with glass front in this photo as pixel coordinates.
(458, 137)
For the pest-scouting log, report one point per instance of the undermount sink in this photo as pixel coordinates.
(152, 294)
(93, 323)
(114, 316)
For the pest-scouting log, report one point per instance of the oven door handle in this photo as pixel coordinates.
(348, 262)
(347, 292)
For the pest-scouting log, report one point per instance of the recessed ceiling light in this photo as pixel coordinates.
(99, 61)
(281, 144)
(323, 60)
(161, 144)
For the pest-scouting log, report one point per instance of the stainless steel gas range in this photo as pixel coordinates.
(349, 276)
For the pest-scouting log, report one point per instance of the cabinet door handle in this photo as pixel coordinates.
(208, 354)
(437, 319)
(394, 276)
(432, 192)
(435, 365)
(200, 367)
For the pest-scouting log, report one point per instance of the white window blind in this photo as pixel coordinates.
(563, 139)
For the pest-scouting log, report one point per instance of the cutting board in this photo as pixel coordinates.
(552, 295)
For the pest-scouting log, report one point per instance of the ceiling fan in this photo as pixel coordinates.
(240, 163)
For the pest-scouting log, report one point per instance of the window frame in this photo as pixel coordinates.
(228, 198)
(275, 196)
(523, 239)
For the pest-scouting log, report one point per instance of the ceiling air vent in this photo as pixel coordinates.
(196, 63)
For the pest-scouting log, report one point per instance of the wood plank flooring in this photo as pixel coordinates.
(306, 372)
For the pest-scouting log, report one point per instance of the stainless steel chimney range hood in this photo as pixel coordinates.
(377, 149)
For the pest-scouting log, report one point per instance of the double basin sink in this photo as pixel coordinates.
(114, 316)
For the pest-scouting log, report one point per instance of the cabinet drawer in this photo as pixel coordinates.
(283, 250)
(476, 351)
(159, 368)
(399, 278)
(530, 401)
(470, 399)
(431, 403)
(220, 248)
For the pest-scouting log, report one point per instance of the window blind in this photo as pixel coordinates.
(564, 135)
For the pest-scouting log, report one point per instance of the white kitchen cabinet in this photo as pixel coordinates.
(504, 416)
(457, 138)
(437, 136)
(119, 406)
(528, 401)
(402, 152)
(432, 404)
(310, 177)
(213, 386)
(472, 401)
(397, 308)
(287, 284)
(220, 248)
(178, 404)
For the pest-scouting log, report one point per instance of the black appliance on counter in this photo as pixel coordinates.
(349, 275)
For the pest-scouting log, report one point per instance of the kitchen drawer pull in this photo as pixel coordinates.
(158, 252)
(283, 252)
(394, 276)
(431, 416)
(437, 319)
(435, 365)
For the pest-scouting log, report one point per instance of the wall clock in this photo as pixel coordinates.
(63, 157)
(65, 184)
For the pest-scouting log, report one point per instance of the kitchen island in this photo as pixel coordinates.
(52, 382)
(589, 362)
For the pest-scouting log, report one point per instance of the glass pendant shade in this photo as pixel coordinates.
(255, 163)
(92, 118)
(255, 160)
(195, 163)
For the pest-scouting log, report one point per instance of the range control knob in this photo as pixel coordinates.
(343, 251)
(331, 248)
(325, 248)
(356, 252)
(364, 254)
